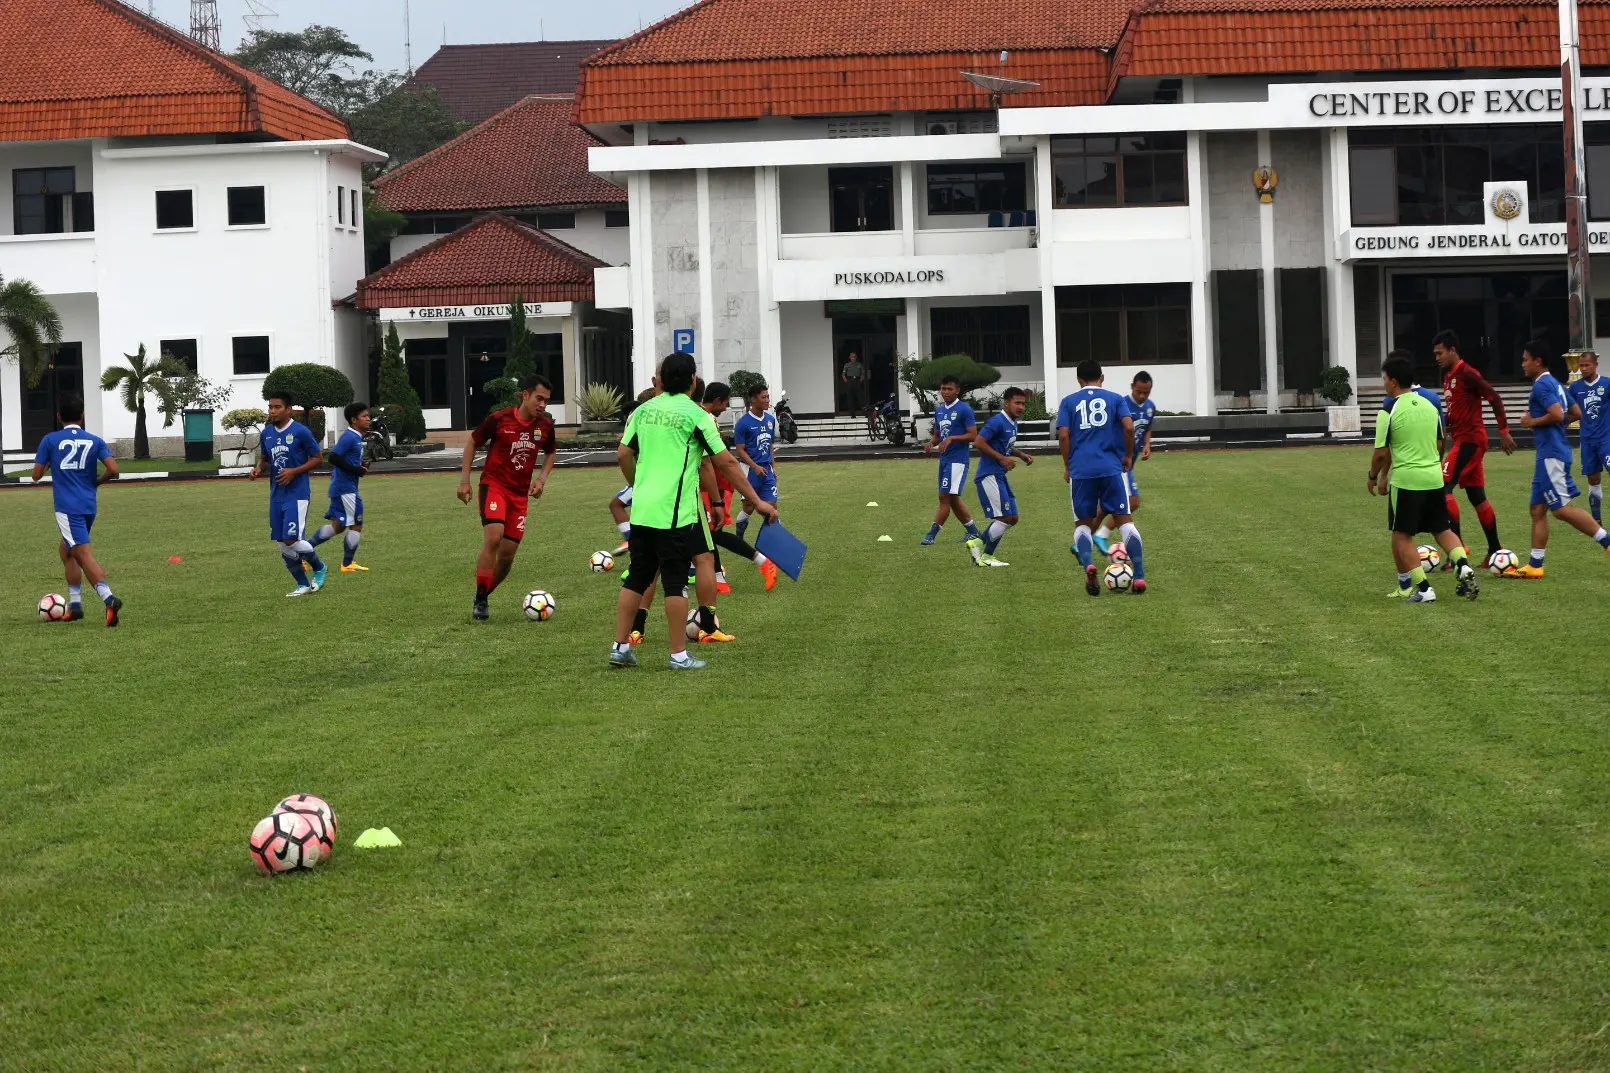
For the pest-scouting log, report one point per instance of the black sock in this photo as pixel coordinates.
(640, 621)
(707, 619)
(1492, 538)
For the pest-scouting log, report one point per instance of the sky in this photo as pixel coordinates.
(377, 25)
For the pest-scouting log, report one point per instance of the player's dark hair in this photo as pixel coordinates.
(1013, 393)
(282, 395)
(1142, 377)
(1447, 337)
(353, 410)
(1088, 370)
(950, 378)
(70, 408)
(677, 373)
(1401, 354)
(534, 381)
(1399, 370)
(716, 391)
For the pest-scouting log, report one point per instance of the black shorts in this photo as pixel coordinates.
(666, 552)
(1417, 510)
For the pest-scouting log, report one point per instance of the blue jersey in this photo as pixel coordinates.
(1142, 412)
(954, 420)
(74, 457)
(1592, 396)
(349, 448)
(287, 448)
(756, 435)
(1550, 439)
(1094, 417)
(1000, 432)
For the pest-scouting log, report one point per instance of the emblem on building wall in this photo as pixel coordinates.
(1264, 180)
(1506, 204)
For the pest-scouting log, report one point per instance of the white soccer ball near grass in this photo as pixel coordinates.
(602, 562)
(1118, 577)
(287, 842)
(1430, 556)
(1503, 559)
(1117, 552)
(539, 605)
(693, 623)
(52, 607)
(316, 809)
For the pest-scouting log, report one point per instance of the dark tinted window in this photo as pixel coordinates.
(1439, 172)
(251, 354)
(1137, 324)
(175, 208)
(427, 371)
(617, 218)
(964, 188)
(1119, 169)
(556, 221)
(39, 199)
(998, 335)
(1375, 186)
(183, 349)
(247, 205)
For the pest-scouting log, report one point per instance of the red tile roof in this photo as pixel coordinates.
(531, 154)
(99, 68)
(478, 81)
(490, 260)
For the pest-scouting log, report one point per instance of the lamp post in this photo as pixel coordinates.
(1576, 187)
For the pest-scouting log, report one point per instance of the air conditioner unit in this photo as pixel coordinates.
(941, 126)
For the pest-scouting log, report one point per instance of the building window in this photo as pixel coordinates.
(84, 211)
(617, 218)
(184, 350)
(997, 335)
(1137, 324)
(248, 206)
(251, 355)
(175, 210)
(433, 225)
(1374, 172)
(549, 349)
(427, 371)
(40, 198)
(1238, 298)
(556, 221)
(1437, 173)
(974, 188)
(1119, 169)
(357, 209)
(341, 205)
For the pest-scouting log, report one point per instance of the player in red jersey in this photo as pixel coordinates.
(1463, 389)
(512, 439)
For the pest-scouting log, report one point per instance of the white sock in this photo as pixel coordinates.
(623, 646)
(743, 516)
(303, 548)
(1600, 535)
(1595, 491)
(75, 595)
(996, 531)
(325, 533)
(1537, 553)
(1128, 530)
(288, 553)
(352, 538)
(680, 657)
(625, 528)
(760, 559)
(721, 575)
(103, 590)
(1103, 532)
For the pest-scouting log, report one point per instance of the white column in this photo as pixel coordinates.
(767, 215)
(1044, 203)
(1202, 373)
(1338, 218)
(1266, 233)
(908, 210)
(704, 342)
(640, 192)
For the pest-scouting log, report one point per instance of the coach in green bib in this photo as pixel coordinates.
(662, 454)
(1407, 464)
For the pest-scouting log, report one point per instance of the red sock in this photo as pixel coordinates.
(484, 583)
(1484, 511)
(1453, 509)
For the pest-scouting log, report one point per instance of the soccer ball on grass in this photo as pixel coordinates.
(1117, 552)
(602, 562)
(693, 623)
(1501, 560)
(316, 809)
(1430, 557)
(539, 606)
(52, 608)
(286, 842)
(1119, 576)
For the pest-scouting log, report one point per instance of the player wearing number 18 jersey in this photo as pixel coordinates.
(1096, 434)
(1463, 391)
(73, 459)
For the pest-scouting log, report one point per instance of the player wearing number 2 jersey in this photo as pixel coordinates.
(1463, 391)
(1096, 434)
(73, 458)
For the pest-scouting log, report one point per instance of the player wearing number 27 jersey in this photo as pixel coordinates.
(73, 459)
(1096, 434)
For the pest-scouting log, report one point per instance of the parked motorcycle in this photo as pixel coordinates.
(786, 428)
(888, 425)
(377, 441)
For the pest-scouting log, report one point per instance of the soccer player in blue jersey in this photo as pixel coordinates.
(753, 437)
(346, 505)
(73, 458)
(1591, 394)
(955, 428)
(998, 453)
(1548, 410)
(1097, 437)
(1141, 410)
(289, 453)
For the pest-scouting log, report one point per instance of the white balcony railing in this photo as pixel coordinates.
(960, 240)
(56, 264)
(840, 245)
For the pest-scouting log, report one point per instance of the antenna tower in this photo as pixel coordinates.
(256, 12)
(408, 37)
(204, 24)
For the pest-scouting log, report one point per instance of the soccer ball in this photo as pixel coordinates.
(1501, 560)
(316, 809)
(693, 623)
(1119, 576)
(539, 605)
(53, 608)
(1430, 556)
(1117, 552)
(286, 842)
(602, 562)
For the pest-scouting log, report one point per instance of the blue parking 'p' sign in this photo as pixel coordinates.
(682, 340)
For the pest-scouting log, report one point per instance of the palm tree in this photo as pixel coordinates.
(33, 324)
(137, 378)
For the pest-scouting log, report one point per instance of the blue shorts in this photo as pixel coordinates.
(952, 478)
(287, 519)
(74, 528)
(1595, 455)
(1131, 483)
(1095, 496)
(1552, 485)
(995, 495)
(764, 483)
(346, 508)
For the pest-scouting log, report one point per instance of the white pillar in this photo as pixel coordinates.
(1044, 207)
(1202, 373)
(1266, 232)
(767, 214)
(1338, 218)
(640, 192)
(704, 340)
(908, 210)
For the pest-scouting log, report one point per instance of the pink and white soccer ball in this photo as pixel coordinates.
(318, 809)
(1116, 552)
(53, 607)
(287, 842)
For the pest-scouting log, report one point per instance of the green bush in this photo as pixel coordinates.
(520, 364)
(1334, 386)
(972, 374)
(1034, 407)
(399, 402)
(600, 402)
(312, 386)
(744, 383)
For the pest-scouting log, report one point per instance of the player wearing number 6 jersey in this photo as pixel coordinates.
(1096, 434)
(73, 458)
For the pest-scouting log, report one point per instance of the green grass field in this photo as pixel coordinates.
(921, 816)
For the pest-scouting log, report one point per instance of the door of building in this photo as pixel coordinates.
(862, 198)
(1493, 313)
(873, 338)
(483, 360)
(65, 376)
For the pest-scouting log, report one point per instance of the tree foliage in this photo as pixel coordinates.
(520, 363)
(142, 377)
(316, 62)
(33, 324)
(311, 385)
(972, 374)
(403, 414)
(744, 383)
(400, 118)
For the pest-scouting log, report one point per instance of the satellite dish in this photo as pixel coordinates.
(999, 83)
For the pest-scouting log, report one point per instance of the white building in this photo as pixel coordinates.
(161, 195)
(799, 190)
